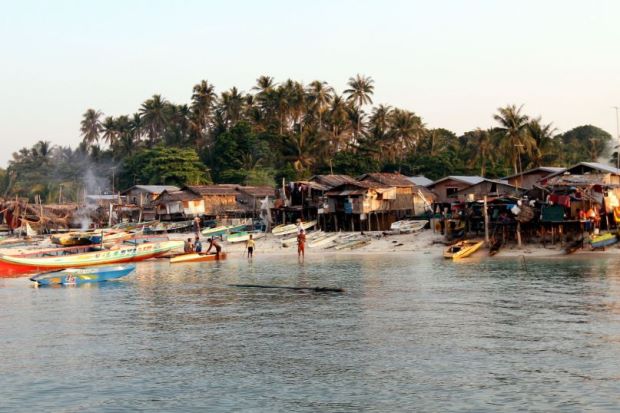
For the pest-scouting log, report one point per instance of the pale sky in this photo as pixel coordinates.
(452, 62)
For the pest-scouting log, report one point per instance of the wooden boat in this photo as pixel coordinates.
(222, 229)
(287, 242)
(408, 225)
(72, 239)
(603, 240)
(495, 247)
(282, 230)
(462, 249)
(573, 246)
(132, 226)
(11, 264)
(77, 276)
(243, 236)
(169, 227)
(323, 241)
(196, 257)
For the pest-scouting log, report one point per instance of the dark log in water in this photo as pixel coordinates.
(313, 289)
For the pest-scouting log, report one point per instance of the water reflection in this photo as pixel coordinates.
(410, 333)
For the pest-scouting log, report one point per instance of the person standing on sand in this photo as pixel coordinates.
(196, 225)
(301, 244)
(250, 244)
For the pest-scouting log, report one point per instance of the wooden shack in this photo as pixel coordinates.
(527, 179)
(445, 187)
(219, 200)
(182, 204)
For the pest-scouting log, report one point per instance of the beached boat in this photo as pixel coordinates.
(169, 227)
(324, 240)
(243, 236)
(11, 264)
(71, 239)
(310, 236)
(495, 247)
(196, 257)
(76, 276)
(603, 240)
(132, 226)
(408, 225)
(222, 229)
(573, 246)
(462, 249)
(282, 230)
(353, 244)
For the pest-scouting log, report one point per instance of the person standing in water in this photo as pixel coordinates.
(301, 244)
(250, 244)
(214, 244)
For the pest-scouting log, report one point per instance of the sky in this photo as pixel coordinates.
(451, 62)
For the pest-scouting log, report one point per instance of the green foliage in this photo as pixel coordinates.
(165, 166)
(286, 130)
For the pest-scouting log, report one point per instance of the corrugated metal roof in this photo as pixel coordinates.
(331, 181)
(222, 189)
(420, 180)
(468, 179)
(153, 189)
(601, 167)
(257, 191)
(385, 178)
(549, 169)
(177, 196)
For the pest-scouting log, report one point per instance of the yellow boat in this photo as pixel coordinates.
(462, 249)
(197, 257)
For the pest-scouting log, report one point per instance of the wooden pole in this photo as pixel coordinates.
(486, 221)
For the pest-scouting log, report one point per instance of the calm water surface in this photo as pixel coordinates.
(409, 333)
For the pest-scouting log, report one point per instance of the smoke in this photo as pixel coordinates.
(93, 185)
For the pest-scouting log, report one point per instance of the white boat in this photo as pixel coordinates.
(282, 230)
(408, 225)
(326, 239)
(353, 243)
(243, 236)
(287, 242)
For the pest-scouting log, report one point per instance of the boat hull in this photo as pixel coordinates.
(14, 265)
(77, 276)
(603, 241)
(462, 249)
(195, 257)
(282, 230)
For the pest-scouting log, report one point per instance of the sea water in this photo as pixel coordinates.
(410, 333)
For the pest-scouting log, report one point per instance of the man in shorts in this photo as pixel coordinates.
(250, 244)
(214, 244)
(301, 244)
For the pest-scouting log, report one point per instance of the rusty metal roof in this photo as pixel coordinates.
(257, 191)
(204, 190)
(332, 181)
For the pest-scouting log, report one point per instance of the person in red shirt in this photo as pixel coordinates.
(301, 244)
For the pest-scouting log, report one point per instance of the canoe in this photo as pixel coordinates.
(131, 226)
(462, 249)
(282, 230)
(243, 236)
(408, 225)
(195, 257)
(222, 229)
(77, 276)
(10, 265)
(604, 240)
(353, 244)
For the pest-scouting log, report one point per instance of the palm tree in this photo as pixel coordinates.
(154, 117)
(90, 126)
(203, 99)
(546, 148)
(319, 98)
(231, 104)
(482, 148)
(338, 120)
(405, 130)
(361, 89)
(516, 139)
(110, 131)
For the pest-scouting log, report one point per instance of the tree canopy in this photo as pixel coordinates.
(291, 130)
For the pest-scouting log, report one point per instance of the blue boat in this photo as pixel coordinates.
(77, 276)
(604, 240)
